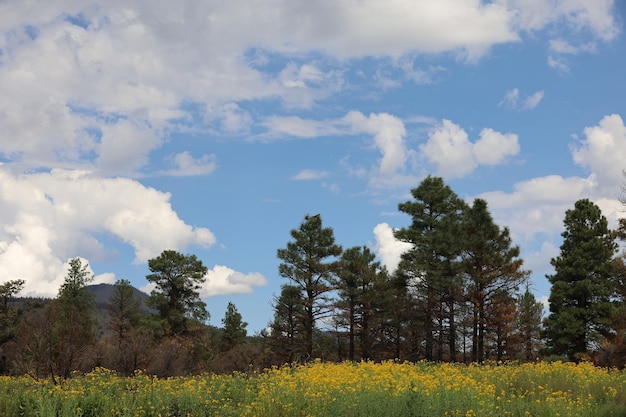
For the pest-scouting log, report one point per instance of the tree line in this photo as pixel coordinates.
(459, 294)
(168, 336)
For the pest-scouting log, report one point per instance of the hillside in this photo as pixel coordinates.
(102, 294)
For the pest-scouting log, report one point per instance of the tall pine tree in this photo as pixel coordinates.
(234, 332)
(493, 272)
(356, 282)
(433, 264)
(287, 328)
(580, 305)
(309, 262)
(528, 325)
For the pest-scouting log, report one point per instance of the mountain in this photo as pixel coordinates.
(102, 294)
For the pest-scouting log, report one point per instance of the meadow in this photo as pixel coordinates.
(332, 389)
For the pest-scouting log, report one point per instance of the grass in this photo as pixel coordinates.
(329, 389)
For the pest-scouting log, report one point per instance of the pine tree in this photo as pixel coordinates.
(234, 331)
(580, 306)
(128, 340)
(178, 279)
(492, 268)
(432, 266)
(287, 328)
(309, 263)
(530, 312)
(73, 318)
(355, 284)
(8, 317)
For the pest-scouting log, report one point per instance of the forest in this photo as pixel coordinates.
(460, 294)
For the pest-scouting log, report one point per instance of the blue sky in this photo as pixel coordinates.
(213, 128)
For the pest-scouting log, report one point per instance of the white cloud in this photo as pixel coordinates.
(279, 126)
(69, 70)
(513, 100)
(603, 151)
(558, 64)
(310, 174)
(388, 248)
(537, 205)
(454, 155)
(187, 165)
(510, 99)
(561, 46)
(533, 100)
(222, 280)
(535, 210)
(494, 148)
(231, 117)
(450, 150)
(50, 217)
(105, 278)
(539, 261)
(597, 16)
(124, 147)
(388, 133)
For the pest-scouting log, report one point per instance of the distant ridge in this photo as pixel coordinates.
(102, 294)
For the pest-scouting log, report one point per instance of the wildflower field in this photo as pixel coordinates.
(330, 389)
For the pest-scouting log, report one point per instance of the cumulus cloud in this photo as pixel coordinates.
(450, 150)
(231, 117)
(535, 209)
(603, 151)
(388, 133)
(494, 148)
(536, 206)
(52, 216)
(124, 147)
(388, 248)
(222, 280)
(100, 86)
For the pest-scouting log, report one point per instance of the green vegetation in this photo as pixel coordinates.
(332, 389)
(460, 294)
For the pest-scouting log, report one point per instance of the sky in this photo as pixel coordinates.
(213, 127)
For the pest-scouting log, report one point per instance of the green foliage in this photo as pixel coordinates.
(54, 339)
(234, 328)
(287, 336)
(432, 266)
(74, 287)
(178, 279)
(581, 291)
(493, 271)
(326, 389)
(530, 312)
(308, 263)
(9, 317)
(124, 308)
(358, 287)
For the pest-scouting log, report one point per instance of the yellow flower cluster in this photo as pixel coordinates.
(333, 389)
